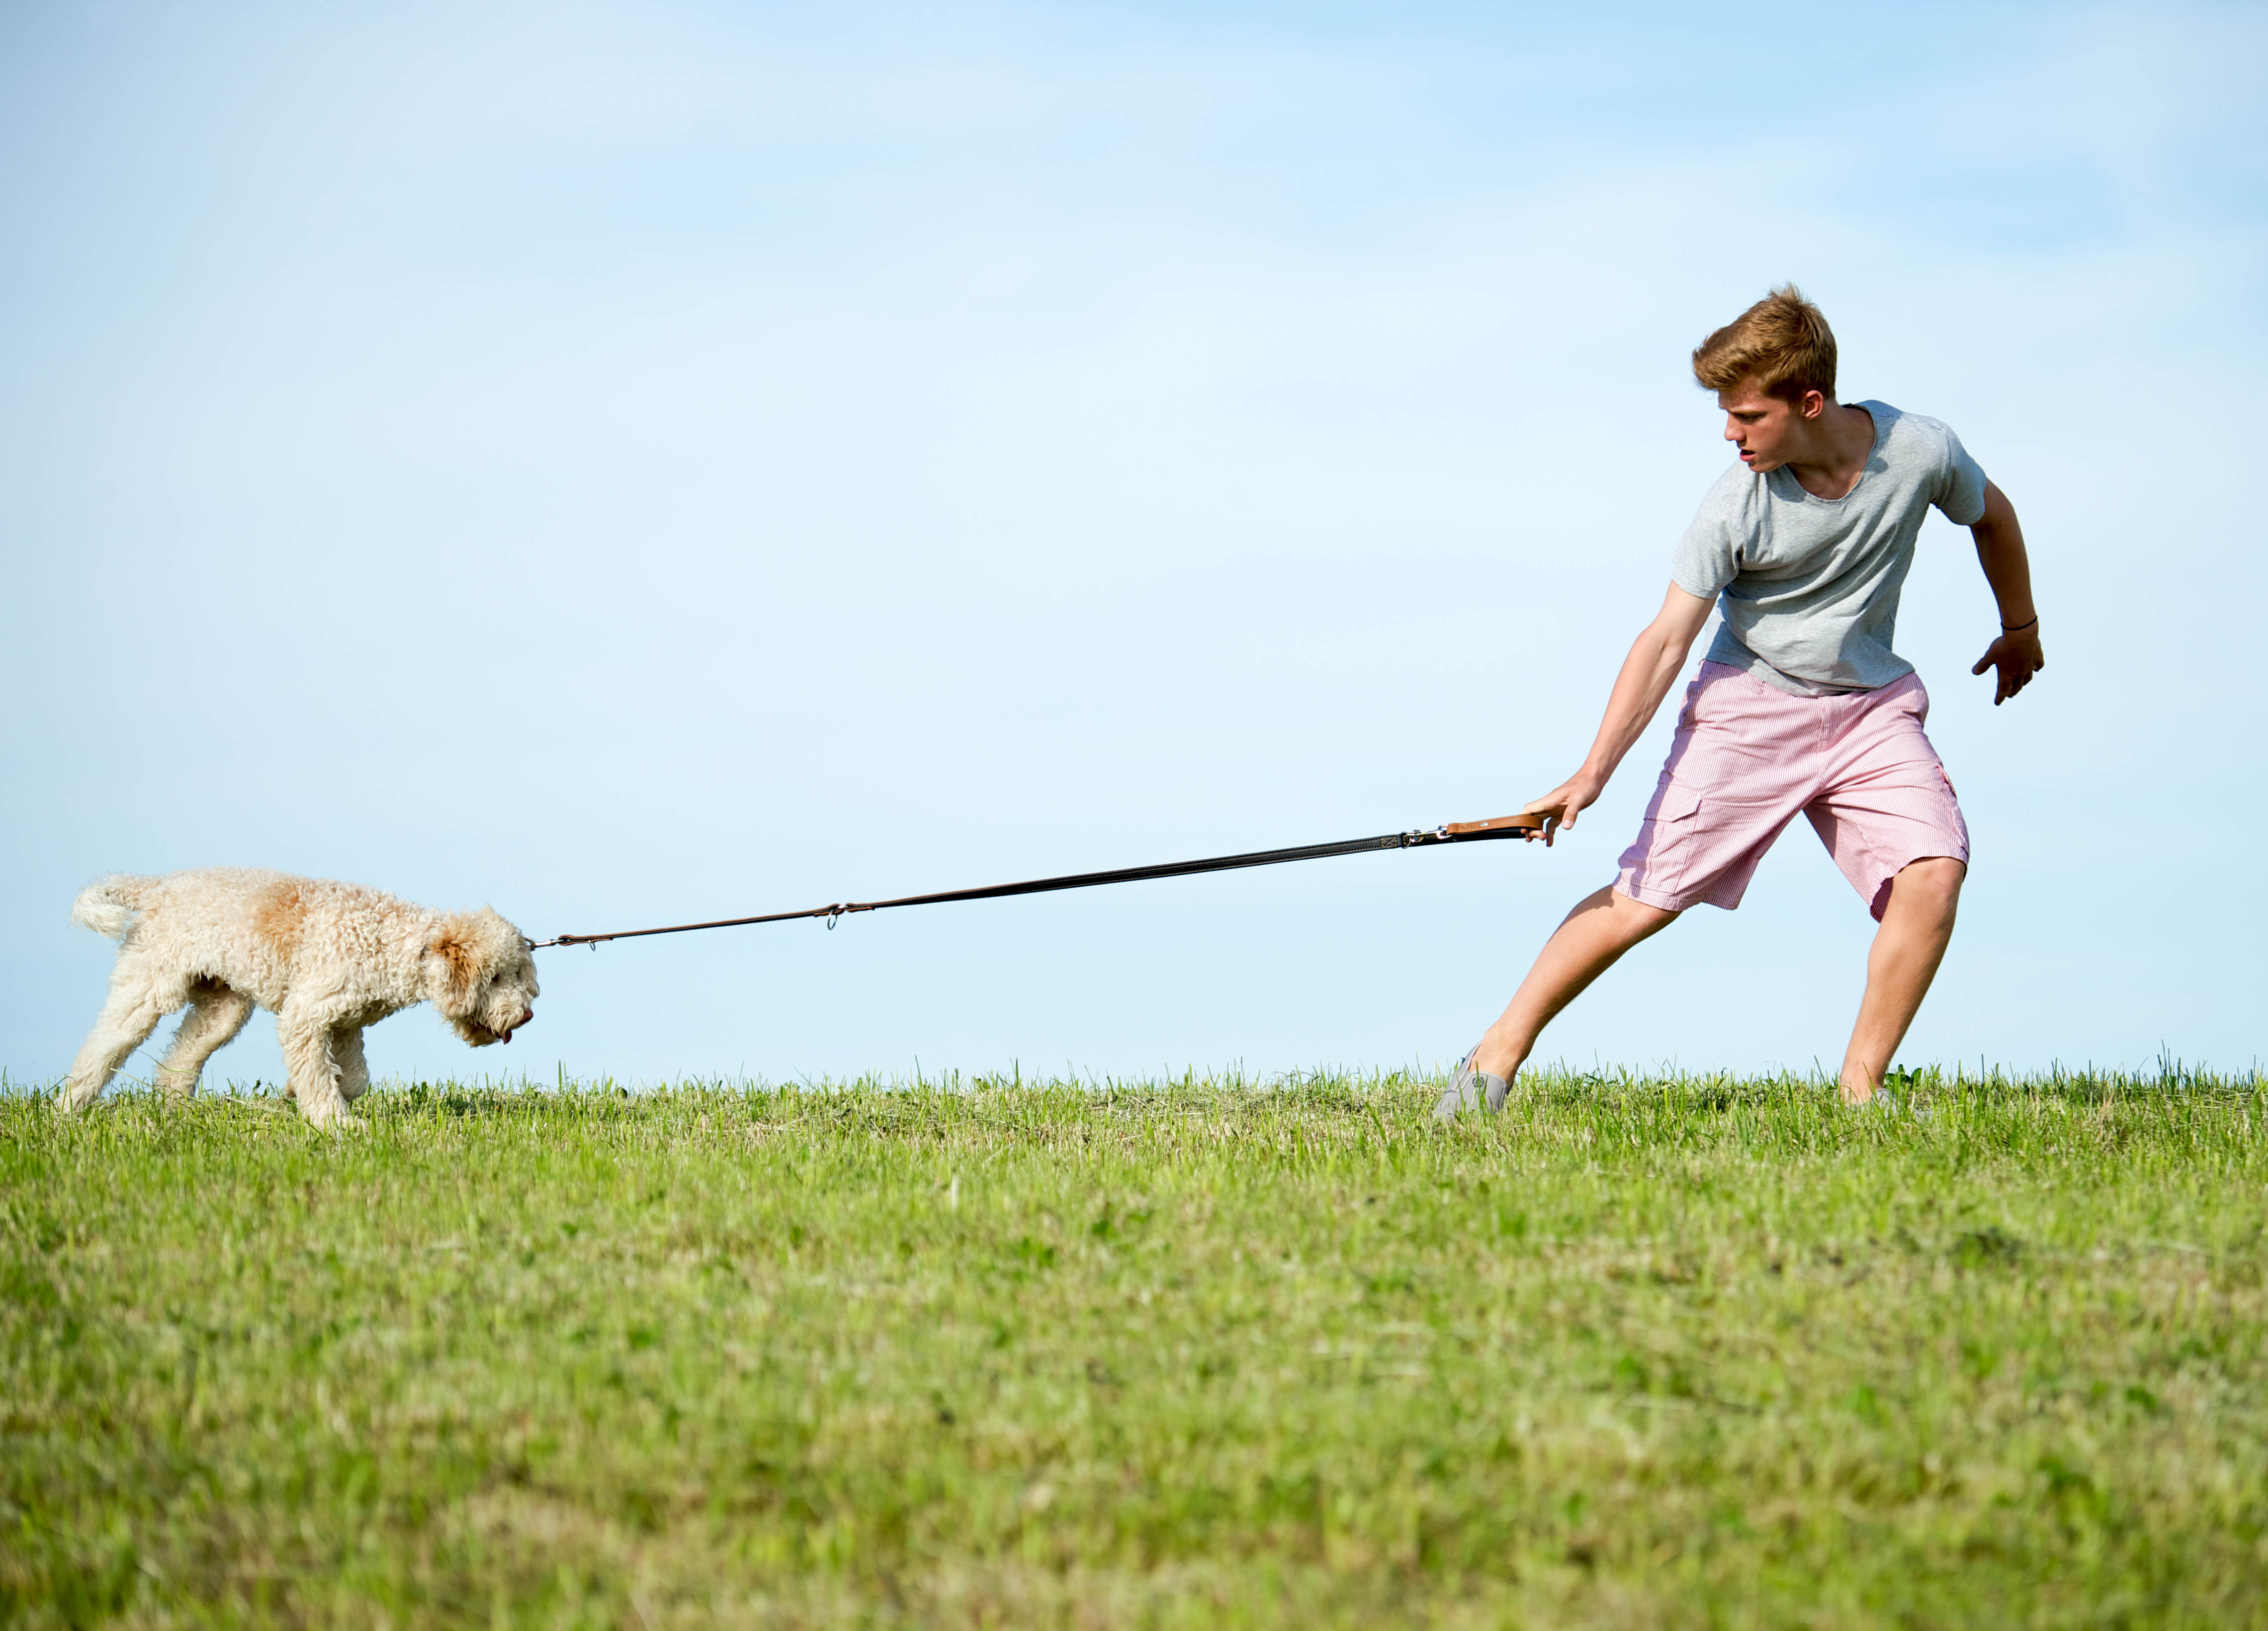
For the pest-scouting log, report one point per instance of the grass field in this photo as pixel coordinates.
(1637, 1353)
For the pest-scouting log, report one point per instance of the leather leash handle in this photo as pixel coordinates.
(1496, 823)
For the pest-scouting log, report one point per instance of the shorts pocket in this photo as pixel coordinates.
(1677, 803)
(1669, 838)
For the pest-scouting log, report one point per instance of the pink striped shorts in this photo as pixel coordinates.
(1748, 756)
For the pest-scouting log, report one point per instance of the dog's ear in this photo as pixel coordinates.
(454, 964)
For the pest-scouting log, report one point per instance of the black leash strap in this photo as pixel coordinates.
(1455, 832)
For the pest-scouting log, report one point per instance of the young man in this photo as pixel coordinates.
(1801, 704)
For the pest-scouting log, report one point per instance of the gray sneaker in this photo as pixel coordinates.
(1473, 1090)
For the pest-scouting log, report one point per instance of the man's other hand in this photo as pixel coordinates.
(2017, 656)
(1559, 807)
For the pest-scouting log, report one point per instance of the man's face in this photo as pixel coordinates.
(1769, 431)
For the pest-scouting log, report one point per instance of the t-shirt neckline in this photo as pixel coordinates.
(1881, 428)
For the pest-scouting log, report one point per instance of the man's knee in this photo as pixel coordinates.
(1633, 919)
(1931, 886)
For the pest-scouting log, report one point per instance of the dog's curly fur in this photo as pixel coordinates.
(327, 959)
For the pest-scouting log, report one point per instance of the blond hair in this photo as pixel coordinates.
(1781, 345)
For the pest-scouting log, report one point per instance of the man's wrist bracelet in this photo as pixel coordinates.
(2018, 628)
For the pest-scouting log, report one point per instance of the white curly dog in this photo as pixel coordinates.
(327, 959)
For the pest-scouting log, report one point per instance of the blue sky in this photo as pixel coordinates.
(633, 463)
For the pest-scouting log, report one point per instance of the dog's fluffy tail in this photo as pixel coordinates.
(108, 905)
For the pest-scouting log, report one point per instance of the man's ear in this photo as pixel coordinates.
(452, 948)
(1812, 404)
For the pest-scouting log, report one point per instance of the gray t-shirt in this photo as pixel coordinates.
(1809, 586)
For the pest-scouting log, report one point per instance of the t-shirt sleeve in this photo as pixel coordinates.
(1708, 556)
(1960, 485)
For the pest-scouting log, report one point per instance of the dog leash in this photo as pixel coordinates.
(1454, 832)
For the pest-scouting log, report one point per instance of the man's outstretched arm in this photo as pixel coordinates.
(2000, 552)
(1655, 659)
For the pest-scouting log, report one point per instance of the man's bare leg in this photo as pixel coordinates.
(1917, 925)
(1586, 945)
